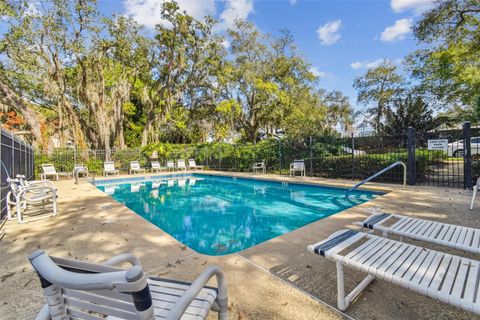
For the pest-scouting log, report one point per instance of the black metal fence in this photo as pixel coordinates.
(17, 157)
(442, 158)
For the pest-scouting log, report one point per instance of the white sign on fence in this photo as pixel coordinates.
(438, 144)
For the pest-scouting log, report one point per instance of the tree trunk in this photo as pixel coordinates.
(10, 98)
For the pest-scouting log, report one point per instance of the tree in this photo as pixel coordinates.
(266, 77)
(449, 68)
(410, 111)
(377, 88)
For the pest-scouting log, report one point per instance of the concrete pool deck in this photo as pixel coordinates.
(277, 279)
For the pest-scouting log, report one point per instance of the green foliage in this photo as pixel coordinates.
(448, 66)
(377, 88)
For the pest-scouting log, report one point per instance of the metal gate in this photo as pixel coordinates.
(17, 157)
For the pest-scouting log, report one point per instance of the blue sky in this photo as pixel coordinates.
(341, 39)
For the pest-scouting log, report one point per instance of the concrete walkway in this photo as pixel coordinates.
(277, 279)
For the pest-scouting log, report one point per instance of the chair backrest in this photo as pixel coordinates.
(49, 169)
(81, 290)
(182, 182)
(134, 165)
(78, 165)
(192, 163)
(181, 163)
(14, 185)
(109, 166)
(155, 164)
(299, 164)
(170, 164)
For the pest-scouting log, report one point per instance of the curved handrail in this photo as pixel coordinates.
(393, 165)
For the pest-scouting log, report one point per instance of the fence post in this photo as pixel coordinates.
(353, 156)
(280, 155)
(311, 156)
(412, 169)
(467, 157)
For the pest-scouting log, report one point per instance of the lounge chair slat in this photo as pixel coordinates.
(469, 293)
(430, 273)
(425, 227)
(391, 260)
(456, 235)
(88, 296)
(357, 250)
(451, 273)
(389, 273)
(459, 283)
(369, 250)
(461, 237)
(77, 314)
(433, 230)
(413, 224)
(379, 257)
(402, 223)
(418, 226)
(468, 238)
(422, 271)
(406, 265)
(413, 269)
(102, 309)
(438, 279)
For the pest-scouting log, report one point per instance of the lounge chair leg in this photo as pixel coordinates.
(475, 188)
(342, 304)
(19, 214)
(342, 301)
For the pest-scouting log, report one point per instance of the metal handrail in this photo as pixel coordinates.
(379, 173)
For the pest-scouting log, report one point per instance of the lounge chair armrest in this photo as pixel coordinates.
(189, 295)
(41, 183)
(121, 258)
(44, 313)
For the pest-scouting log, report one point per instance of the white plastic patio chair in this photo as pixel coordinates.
(297, 166)
(181, 165)
(441, 276)
(49, 171)
(109, 168)
(135, 168)
(23, 198)
(475, 189)
(83, 290)
(259, 166)
(449, 235)
(171, 165)
(156, 167)
(193, 165)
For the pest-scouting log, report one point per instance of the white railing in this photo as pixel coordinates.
(393, 165)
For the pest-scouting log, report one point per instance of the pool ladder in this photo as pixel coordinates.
(393, 165)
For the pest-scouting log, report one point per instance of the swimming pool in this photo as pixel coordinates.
(217, 215)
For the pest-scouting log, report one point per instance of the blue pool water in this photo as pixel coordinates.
(219, 215)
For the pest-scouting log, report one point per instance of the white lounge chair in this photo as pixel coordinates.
(297, 166)
(171, 165)
(109, 168)
(181, 165)
(182, 182)
(156, 167)
(84, 290)
(23, 198)
(49, 171)
(445, 277)
(193, 165)
(449, 235)
(259, 166)
(135, 168)
(475, 189)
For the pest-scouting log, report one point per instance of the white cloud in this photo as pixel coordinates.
(226, 43)
(235, 9)
(148, 12)
(417, 6)
(398, 31)
(293, 2)
(318, 73)
(329, 33)
(367, 64)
